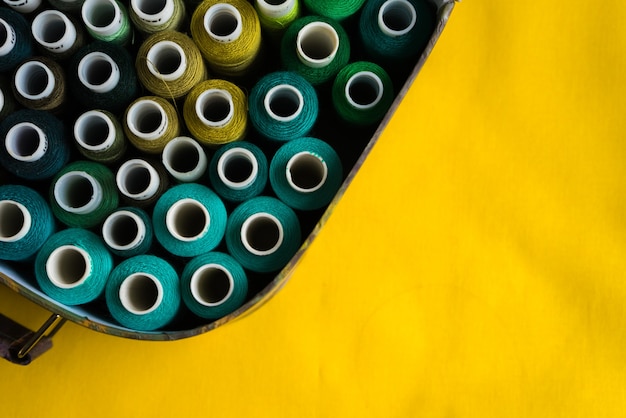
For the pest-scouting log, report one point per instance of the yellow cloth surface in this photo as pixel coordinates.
(475, 267)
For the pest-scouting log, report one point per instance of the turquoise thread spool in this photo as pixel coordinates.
(72, 267)
(26, 222)
(213, 285)
(283, 106)
(143, 293)
(107, 21)
(15, 39)
(127, 232)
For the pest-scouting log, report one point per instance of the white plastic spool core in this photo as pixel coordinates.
(123, 230)
(23, 6)
(364, 90)
(15, 221)
(68, 266)
(306, 172)
(78, 192)
(262, 234)
(103, 17)
(94, 131)
(317, 44)
(26, 142)
(396, 17)
(187, 220)
(98, 72)
(223, 22)
(141, 293)
(211, 284)
(283, 103)
(147, 119)
(153, 12)
(275, 9)
(184, 159)
(137, 179)
(237, 168)
(215, 107)
(54, 31)
(34, 80)
(166, 60)
(1, 100)
(7, 38)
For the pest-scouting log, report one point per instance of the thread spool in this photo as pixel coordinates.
(276, 15)
(99, 136)
(189, 219)
(142, 293)
(127, 232)
(263, 234)
(8, 104)
(39, 83)
(72, 266)
(26, 222)
(107, 21)
(315, 47)
(83, 194)
(394, 31)
(58, 35)
(362, 93)
(150, 122)
(23, 6)
(67, 6)
(238, 171)
(184, 159)
(102, 76)
(151, 16)
(141, 182)
(213, 285)
(228, 34)
(15, 39)
(306, 173)
(169, 64)
(215, 112)
(337, 10)
(283, 106)
(34, 146)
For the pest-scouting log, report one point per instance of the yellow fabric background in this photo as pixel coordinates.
(475, 268)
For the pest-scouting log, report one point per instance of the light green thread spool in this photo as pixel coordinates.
(107, 20)
(276, 15)
(152, 16)
(150, 122)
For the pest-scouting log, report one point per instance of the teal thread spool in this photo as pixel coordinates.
(15, 39)
(102, 76)
(39, 83)
(143, 293)
(26, 222)
(184, 159)
(72, 266)
(306, 173)
(107, 21)
(127, 232)
(189, 219)
(141, 182)
(34, 145)
(238, 171)
(213, 285)
(82, 194)
(99, 136)
(276, 15)
(283, 106)
(263, 234)
(362, 93)
(337, 10)
(150, 16)
(23, 6)
(393, 31)
(315, 47)
(57, 34)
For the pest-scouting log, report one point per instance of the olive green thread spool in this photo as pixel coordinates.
(99, 136)
(107, 20)
(150, 16)
(150, 122)
(39, 83)
(58, 35)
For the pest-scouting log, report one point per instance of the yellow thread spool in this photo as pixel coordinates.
(216, 112)
(150, 122)
(228, 34)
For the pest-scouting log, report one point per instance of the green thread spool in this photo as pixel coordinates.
(26, 222)
(107, 21)
(315, 47)
(82, 194)
(15, 39)
(215, 112)
(150, 16)
(143, 293)
(58, 35)
(127, 232)
(150, 122)
(337, 10)
(99, 136)
(23, 6)
(184, 159)
(228, 34)
(169, 64)
(213, 285)
(306, 173)
(39, 83)
(141, 182)
(362, 93)
(276, 15)
(72, 266)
